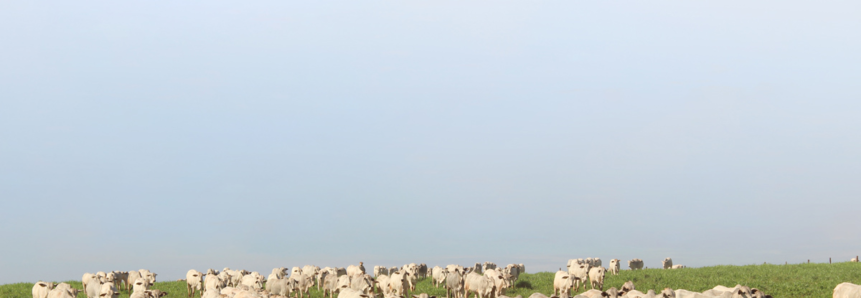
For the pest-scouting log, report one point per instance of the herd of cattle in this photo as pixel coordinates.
(483, 280)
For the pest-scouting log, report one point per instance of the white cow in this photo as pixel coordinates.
(280, 286)
(382, 283)
(330, 284)
(667, 263)
(499, 281)
(310, 270)
(150, 277)
(481, 285)
(562, 283)
(93, 286)
(350, 293)
(453, 282)
(855, 259)
(303, 284)
(614, 266)
(635, 264)
(323, 272)
(140, 285)
(512, 273)
(682, 293)
(63, 290)
(453, 267)
(107, 290)
(356, 270)
(399, 283)
(488, 265)
(251, 281)
(596, 277)
(611, 293)
(680, 266)
(581, 272)
(380, 271)
(41, 289)
(437, 276)
(193, 281)
(627, 287)
(745, 290)
(363, 283)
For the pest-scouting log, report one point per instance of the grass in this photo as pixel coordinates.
(795, 280)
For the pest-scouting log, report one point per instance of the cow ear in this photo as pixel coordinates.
(753, 291)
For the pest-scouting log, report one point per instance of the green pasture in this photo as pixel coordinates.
(780, 281)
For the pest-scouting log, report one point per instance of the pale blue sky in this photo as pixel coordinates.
(205, 134)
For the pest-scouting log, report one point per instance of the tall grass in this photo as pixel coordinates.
(797, 280)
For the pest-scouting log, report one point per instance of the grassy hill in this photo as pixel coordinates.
(781, 281)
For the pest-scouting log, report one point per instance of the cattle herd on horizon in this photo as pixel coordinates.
(482, 280)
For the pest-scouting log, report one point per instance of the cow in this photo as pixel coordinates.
(596, 277)
(323, 272)
(140, 285)
(380, 271)
(481, 285)
(251, 281)
(193, 281)
(350, 293)
(453, 282)
(854, 259)
(107, 290)
(362, 283)
(93, 287)
(302, 284)
(581, 272)
(399, 283)
(150, 277)
(682, 293)
(437, 276)
(280, 286)
(121, 279)
(488, 265)
(63, 290)
(477, 268)
(330, 284)
(499, 281)
(627, 287)
(635, 264)
(353, 270)
(41, 289)
(614, 266)
(452, 267)
(157, 293)
(423, 271)
(311, 270)
(212, 281)
(667, 263)
(598, 294)
(562, 283)
(512, 272)
(679, 266)
(539, 295)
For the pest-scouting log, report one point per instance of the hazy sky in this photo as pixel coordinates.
(172, 135)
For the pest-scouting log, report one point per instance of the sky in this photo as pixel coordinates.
(173, 135)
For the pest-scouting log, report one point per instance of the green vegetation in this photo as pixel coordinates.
(780, 281)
